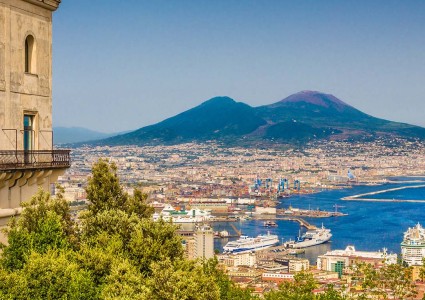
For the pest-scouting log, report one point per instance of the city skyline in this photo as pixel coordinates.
(149, 61)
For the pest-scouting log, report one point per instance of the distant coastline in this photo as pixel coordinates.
(361, 197)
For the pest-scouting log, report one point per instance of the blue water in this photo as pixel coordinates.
(369, 226)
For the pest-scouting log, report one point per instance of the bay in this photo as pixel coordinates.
(369, 226)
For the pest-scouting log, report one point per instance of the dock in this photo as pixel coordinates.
(310, 213)
(238, 232)
(303, 223)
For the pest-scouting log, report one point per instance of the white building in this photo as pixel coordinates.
(248, 259)
(338, 260)
(413, 245)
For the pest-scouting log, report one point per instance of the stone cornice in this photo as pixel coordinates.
(48, 4)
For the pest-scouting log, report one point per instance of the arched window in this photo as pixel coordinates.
(29, 54)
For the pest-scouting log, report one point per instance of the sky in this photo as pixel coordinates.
(122, 65)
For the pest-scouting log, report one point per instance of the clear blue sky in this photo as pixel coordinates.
(120, 65)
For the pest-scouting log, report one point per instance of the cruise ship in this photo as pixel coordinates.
(413, 245)
(248, 244)
(311, 238)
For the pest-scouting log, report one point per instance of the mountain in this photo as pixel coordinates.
(218, 118)
(65, 135)
(299, 118)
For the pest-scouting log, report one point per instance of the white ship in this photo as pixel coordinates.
(311, 238)
(248, 244)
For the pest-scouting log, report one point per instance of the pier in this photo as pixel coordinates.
(361, 197)
(304, 223)
(238, 232)
(309, 213)
(301, 221)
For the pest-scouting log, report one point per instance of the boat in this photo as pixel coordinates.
(223, 234)
(251, 244)
(312, 237)
(270, 224)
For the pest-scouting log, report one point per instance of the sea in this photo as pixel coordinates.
(369, 226)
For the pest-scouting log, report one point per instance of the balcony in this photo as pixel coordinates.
(40, 159)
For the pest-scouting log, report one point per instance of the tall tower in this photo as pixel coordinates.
(204, 242)
(27, 158)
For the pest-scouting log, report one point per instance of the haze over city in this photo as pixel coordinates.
(119, 67)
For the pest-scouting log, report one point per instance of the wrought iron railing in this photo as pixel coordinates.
(21, 159)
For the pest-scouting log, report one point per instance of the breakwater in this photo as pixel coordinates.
(364, 197)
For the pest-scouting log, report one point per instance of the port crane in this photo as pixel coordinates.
(297, 185)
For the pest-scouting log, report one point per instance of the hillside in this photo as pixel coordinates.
(299, 118)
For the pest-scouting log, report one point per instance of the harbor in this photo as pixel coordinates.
(383, 224)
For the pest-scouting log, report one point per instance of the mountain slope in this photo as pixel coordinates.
(301, 117)
(334, 117)
(217, 118)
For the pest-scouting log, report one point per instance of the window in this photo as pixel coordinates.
(30, 54)
(28, 137)
(28, 132)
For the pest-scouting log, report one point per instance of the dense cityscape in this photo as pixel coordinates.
(201, 184)
(209, 170)
(303, 198)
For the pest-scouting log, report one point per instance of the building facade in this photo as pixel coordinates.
(204, 242)
(339, 260)
(247, 259)
(27, 158)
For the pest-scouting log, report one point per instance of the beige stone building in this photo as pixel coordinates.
(27, 158)
(248, 259)
(204, 242)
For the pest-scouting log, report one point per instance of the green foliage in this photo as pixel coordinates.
(181, 280)
(331, 294)
(300, 289)
(118, 252)
(103, 190)
(137, 205)
(124, 281)
(153, 242)
(44, 224)
(228, 289)
(397, 279)
(422, 270)
(52, 275)
(393, 279)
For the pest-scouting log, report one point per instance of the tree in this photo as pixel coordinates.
(104, 190)
(228, 289)
(44, 224)
(52, 275)
(128, 219)
(116, 252)
(137, 204)
(398, 279)
(124, 281)
(331, 294)
(181, 280)
(422, 270)
(394, 280)
(300, 289)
